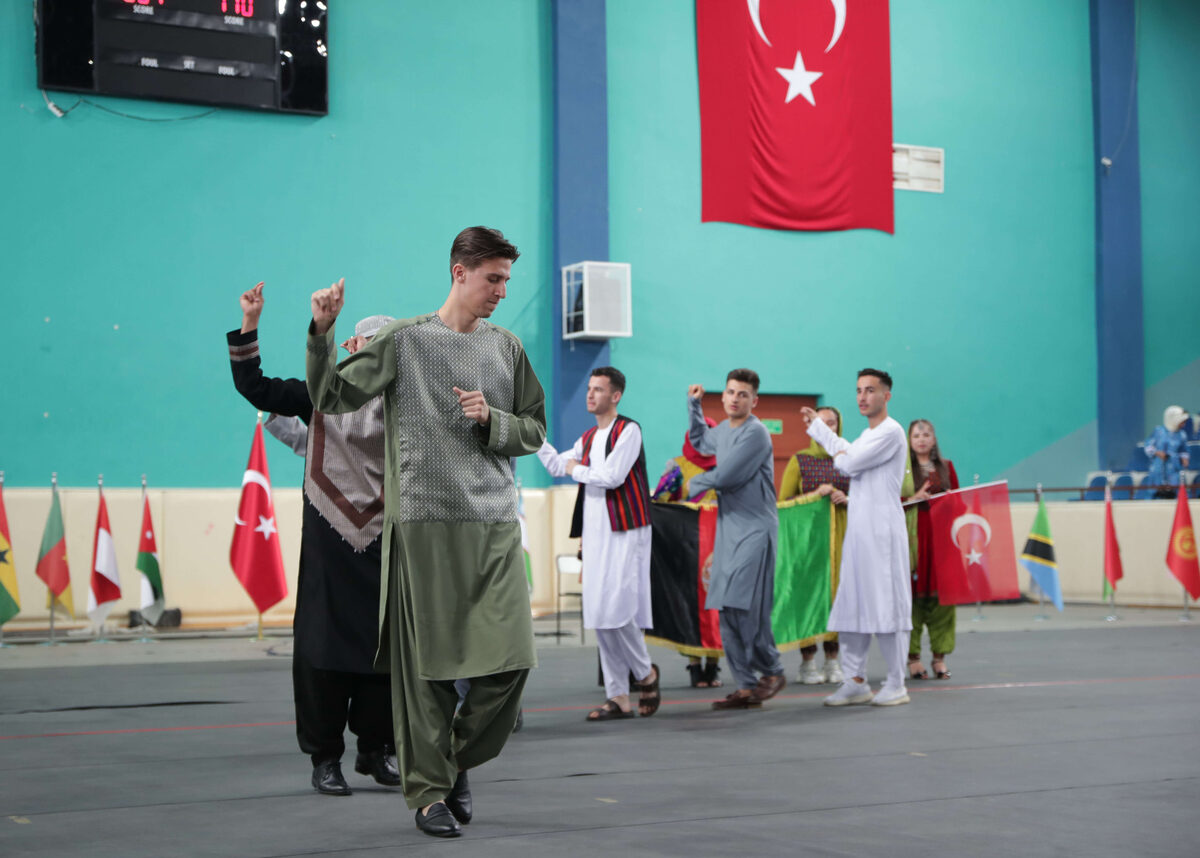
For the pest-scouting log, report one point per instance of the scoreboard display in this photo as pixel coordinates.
(257, 54)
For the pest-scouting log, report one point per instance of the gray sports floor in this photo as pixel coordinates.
(1066, 737)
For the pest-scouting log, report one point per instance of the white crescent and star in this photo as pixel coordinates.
(799, 78)
(257, 478)
(979, 521)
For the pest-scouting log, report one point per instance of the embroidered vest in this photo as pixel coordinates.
(628, 504)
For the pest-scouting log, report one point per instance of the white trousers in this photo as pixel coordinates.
(893, 645)
(622, 652)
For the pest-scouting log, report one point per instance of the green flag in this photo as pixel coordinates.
(803, 565)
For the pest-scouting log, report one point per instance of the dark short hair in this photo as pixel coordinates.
(883, 377)
(477, 244)
(615, 377)
(746, 376)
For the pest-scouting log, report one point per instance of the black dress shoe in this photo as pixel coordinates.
(379, 764)
(459, 800)
(327, 778)
(439, 822)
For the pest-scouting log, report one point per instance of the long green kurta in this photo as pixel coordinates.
(451, 542)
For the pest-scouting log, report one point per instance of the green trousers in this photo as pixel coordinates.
(433, 742)
(940, 619)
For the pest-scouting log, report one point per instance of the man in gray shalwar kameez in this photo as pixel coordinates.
(742, 585)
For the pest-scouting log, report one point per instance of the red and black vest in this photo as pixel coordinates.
(628, 504)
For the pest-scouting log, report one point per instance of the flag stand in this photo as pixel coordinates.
(1185, 617)
(52, 641)
(260, 627)
(1113, 616)
(4, 645)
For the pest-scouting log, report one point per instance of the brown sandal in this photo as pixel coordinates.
(650, 697)
(609, 711)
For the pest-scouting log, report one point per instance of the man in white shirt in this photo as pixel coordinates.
(874, 594)
(612, 516)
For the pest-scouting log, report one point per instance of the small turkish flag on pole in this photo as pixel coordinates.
(1181, 553)
(973, 545)
(255, 554)
(796, 113)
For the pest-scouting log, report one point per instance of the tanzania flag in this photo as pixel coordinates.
(52, 560)
(1038, 557)
(681, 555)
(10, 601)
(153, 601)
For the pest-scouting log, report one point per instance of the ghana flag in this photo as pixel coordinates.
(10, 601)
(681, 552)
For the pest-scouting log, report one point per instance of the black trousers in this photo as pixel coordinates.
(328, 700)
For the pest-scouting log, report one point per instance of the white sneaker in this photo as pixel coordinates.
(809, 674)
(849, 693)
(890, 696)
(833, 671)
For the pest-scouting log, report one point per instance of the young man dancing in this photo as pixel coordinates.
(612, 516)
(742, 585)
(874, 594)
(460, 398)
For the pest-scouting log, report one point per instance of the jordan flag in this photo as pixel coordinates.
(1181, 553)
(255, 554)
(795, 113)
(105, 587)
(153, 601)
(973, 527)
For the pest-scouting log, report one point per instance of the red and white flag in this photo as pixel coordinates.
(1113, 570)
(105, 589)
(255, 555)
(973, 526)
(796, 113)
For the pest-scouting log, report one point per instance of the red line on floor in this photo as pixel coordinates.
(933, 686)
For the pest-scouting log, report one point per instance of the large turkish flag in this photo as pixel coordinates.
(796, 113)
(973, 544)
(255, 554)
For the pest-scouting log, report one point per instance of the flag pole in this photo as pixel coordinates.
(3, 645)
(1113, 616)
(1185, 617)
(143, 626)
(52, 641)
(978, 605)
(260, 626)
(1041, 615)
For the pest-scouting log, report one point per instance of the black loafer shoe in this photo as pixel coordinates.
(439, 822)
(379, 764)
(327, 778)
(459, 800)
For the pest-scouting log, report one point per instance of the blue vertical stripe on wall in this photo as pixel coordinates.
(1119, 335)
(580, 194)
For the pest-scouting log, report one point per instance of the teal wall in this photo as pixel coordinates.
(1169, 128)
(981, 305)
(127, 243)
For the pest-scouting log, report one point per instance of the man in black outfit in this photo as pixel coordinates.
(337, 598)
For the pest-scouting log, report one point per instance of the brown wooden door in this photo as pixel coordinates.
(781, 413)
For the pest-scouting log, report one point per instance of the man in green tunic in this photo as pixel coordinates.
(460, 400)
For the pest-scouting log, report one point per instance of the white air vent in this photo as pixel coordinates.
(918, 168)
(597, 301)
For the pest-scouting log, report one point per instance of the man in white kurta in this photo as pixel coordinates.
(609, 464)
(874, 594)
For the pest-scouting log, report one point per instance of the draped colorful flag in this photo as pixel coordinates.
(974, 527)
(1038, 556)
(10, 599)
(153, 601)
(105, 586)
(795, 113)
(52, 565)
(254, 554)
(1113, 571)
(680, 565)
(1181, 551)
